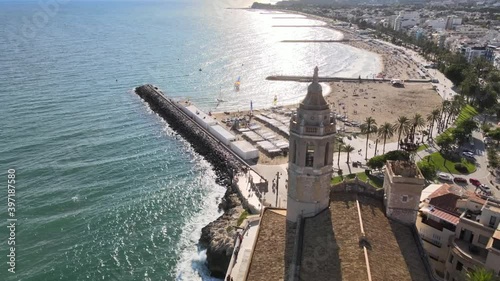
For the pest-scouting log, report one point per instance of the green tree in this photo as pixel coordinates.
(431, 119)
(417, 122)
(445, 109)
(376, 162)
(445, 141)
(348, 148)
(397, 155)
(428, 169)
(454, 73)
(370, 126)
(460, 136)
(468, 125)
(480, 274)
(495, 134)
(402, 127)
(341, 147)
(385, 131)
(486, 128)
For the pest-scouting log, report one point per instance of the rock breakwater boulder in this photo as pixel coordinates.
(218, 236)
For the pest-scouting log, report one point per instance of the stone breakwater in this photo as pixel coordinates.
(218, 236)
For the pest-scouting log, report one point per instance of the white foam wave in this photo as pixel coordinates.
(191, 264)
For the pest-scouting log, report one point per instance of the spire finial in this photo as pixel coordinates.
(315, 77)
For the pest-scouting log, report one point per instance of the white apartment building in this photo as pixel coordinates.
(459, 231)
(406, 20)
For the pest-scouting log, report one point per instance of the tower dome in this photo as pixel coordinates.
(314, 99)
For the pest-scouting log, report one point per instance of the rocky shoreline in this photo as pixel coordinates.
(218, 236)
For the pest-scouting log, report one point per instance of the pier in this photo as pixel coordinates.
(308, 79)
(324, 25)
(218, 146)
(317, 41)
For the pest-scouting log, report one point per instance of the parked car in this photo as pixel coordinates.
(445, 177)
(468, 154)
(459, 180)
(475, 182)
(484, 188)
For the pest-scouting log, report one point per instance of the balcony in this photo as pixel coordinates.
(312, 130)
(470, 252)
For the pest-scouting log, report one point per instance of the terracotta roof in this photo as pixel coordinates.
(272, 252)
(331, 245)
(447, 189)
(446, 202)
(453, 219)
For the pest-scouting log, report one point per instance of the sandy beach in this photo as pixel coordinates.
(357, 101)
(381, 101)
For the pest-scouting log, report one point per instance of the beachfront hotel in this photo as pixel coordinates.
(344, 232)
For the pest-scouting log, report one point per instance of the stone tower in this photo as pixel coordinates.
(312, 135)
(403, 185)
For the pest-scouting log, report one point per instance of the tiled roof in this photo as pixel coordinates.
(453, 219)
(272, 252)
(331, 245)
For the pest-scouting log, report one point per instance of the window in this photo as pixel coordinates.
(310, 155)
(404, 198)
(293, 151)
(327, 148)
(483, 240)
(496, 244)
(451, 258)
(459, 266)
(493, 220)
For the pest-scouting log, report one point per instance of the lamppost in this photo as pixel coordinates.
(277, 186)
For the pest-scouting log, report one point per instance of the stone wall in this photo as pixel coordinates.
(357, 186)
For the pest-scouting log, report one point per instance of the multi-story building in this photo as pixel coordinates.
(474, 52)
(460, 231)
(406, 20)
(453, 22)
(437, 221)
(476, 242)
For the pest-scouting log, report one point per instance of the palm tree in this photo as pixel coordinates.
(402, 126)
(385, 131)
(454, 108)
(445, 108)
(480, 274)
(432, 118)
(341, 146)
(417, 122)
(348, 148)
(370, 126)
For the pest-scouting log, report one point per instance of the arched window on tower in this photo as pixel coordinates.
(327, 150)
(293, 151)
(310, 155)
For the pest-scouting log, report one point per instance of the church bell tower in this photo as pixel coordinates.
(312, 136)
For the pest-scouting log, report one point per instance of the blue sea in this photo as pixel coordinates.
(105, 190)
